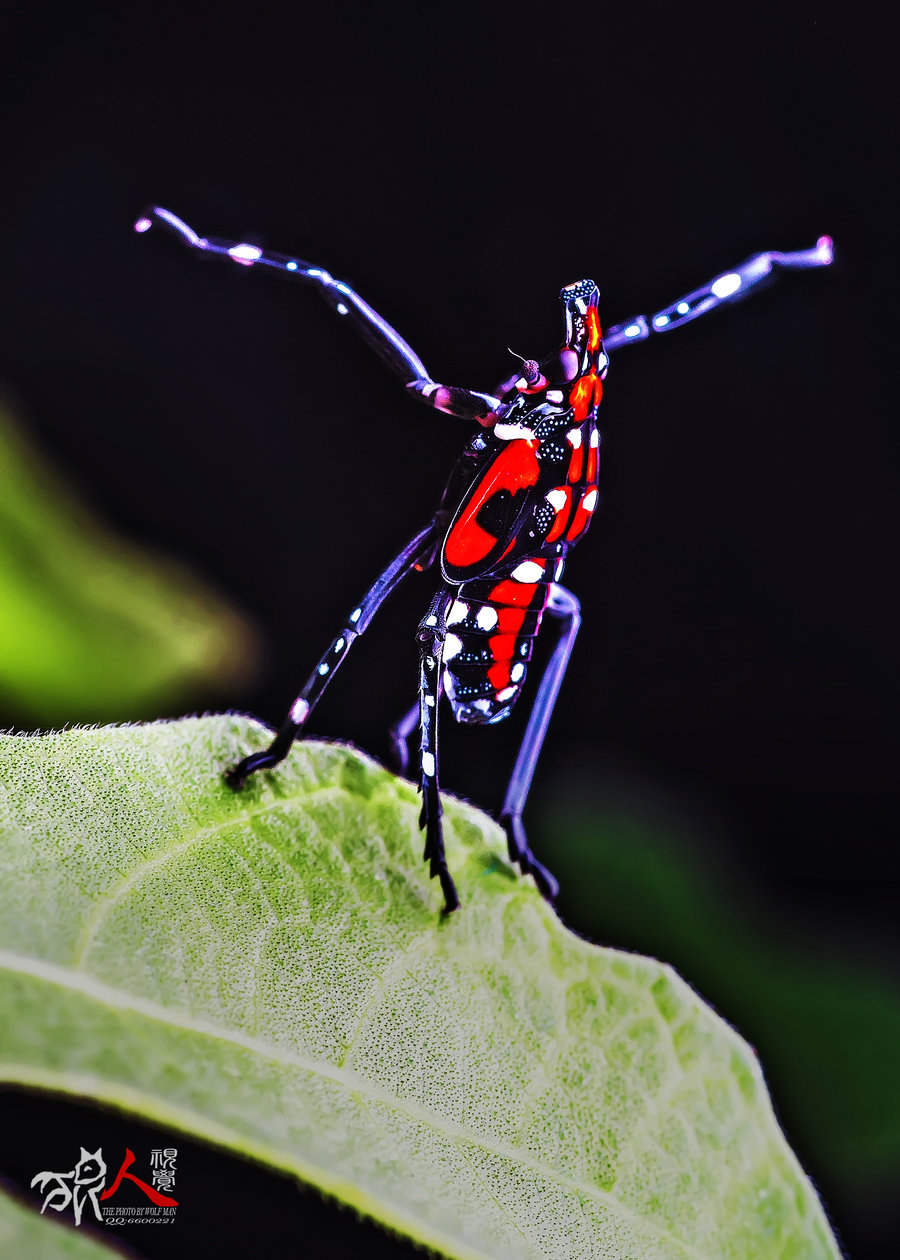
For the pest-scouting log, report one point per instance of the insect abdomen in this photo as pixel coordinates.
(491, 626)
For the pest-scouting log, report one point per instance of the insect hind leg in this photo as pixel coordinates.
(565, 608)
(399, 735)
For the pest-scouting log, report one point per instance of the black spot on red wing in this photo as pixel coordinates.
(497, 514)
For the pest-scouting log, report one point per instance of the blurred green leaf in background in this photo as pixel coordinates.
(93, 627)
(826, 1028)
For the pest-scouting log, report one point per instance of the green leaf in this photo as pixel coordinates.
(270, 970)
(92, 627)
(27, 1236)
(827, 1026)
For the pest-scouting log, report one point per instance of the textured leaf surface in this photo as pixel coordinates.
(270, 970)
(26, 1235)
(91, 626)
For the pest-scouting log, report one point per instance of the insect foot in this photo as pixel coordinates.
(520, 853)
(271, 756)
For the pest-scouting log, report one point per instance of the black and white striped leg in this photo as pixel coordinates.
(419, 553)
(565, 607)
(384, 339)
(730, 286)
(431, 637)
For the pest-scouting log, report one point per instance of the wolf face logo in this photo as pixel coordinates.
(83, 1184)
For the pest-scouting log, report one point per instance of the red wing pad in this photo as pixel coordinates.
(484, 529)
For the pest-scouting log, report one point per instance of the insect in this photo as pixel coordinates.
(521, 495)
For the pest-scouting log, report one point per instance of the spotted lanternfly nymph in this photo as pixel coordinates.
(522, 494)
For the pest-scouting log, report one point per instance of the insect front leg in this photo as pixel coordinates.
(431, 637)
(730, 286)
(565, 607)
(419, 553)
(383, 338)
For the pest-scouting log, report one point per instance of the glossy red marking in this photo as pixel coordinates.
(586, 392)
(502, 646)
(498, 675)
(591, 471)
(513, 594)
(562, 514)
(509, 620)
(581, 519)
(594, 330)
(576, 463)
(515, 468)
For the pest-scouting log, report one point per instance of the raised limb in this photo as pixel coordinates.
(385, 341)
(419, 553)
(731, 286)
(565, 607)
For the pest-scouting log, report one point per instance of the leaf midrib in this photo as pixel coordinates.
(95, 990)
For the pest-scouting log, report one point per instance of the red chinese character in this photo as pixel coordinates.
(153, 1195)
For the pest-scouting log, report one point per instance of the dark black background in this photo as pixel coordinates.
(740, 640)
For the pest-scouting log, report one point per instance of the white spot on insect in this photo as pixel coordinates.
(521, 383)
(341, 309)
(602, 361)
(523, 649)
(682, 308)
(506, 694)
(595, 438)
(458, 612)
(633, 330)
(356, 614)
(429, 389)
(483, 706)
(556, 499)
(429, 700)
(726, 285)
(292, 266)
(573, 437)
(143, 225)
(486, 618)
(339, 646)
(431, 621)
(517, 671)
(589, 502)
(554, 395)
(660, 321)
(557, 572)
(244, 254)
(428, 765)
(506, 432)
(528, 571)
(299, 711)
(452, 647)
(323, 669)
